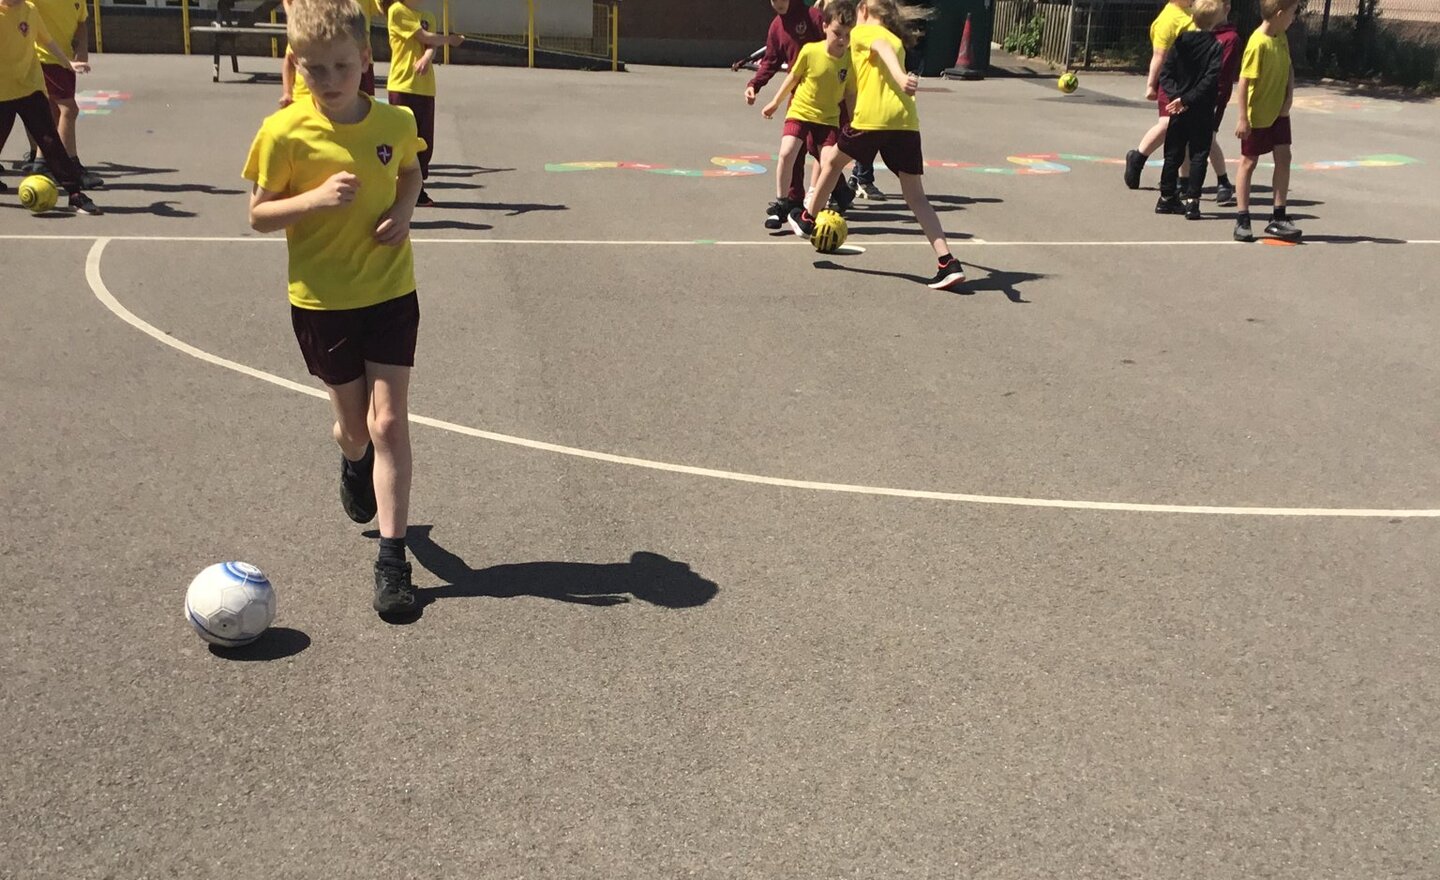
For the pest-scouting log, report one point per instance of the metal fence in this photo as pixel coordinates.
(1390, 40)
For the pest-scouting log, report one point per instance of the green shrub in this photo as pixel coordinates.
(1026, 40)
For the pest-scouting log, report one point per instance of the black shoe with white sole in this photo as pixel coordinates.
(357, 486)
(949, 274)
(1283, 230)
(776, 214)
(81, 204)
(1169, 205)
(802, 224)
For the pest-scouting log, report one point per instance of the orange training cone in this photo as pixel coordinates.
(963, 68)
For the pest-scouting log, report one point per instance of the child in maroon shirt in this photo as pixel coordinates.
(1229, 39)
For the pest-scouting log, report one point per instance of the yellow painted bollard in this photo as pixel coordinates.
(99, 37)
(530, 31)
(445, 26)
(614, 37)
(274, 42)
(185, 22)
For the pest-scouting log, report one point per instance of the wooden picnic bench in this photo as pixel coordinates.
(231, 23)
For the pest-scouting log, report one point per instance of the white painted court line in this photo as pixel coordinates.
(102, 293)
(784, 241)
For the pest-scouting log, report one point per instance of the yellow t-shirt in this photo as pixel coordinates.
(1266, 64)
(335, 262)
(62, 19)
(405, 50)
(21, 28)
(881, 104)
(1169, 24)
(821, 88)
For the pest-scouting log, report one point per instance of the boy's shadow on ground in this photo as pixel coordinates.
(995, 279)
(648, 577)
(464, 170)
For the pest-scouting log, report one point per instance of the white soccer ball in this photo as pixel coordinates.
(230, 604)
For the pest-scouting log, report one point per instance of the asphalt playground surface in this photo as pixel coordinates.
(740, 561)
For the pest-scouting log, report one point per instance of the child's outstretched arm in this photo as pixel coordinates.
(272, 211)
(428, 38)
(908, 83)
(769, 64)
(792, 80)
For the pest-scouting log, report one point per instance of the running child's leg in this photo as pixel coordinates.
(389, 427)
(912, 186)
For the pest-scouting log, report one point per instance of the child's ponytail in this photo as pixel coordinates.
(901, 19)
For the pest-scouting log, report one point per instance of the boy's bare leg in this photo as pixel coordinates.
(785, 168)
(1242, 183)
(913, 188)
(1154, 137)
(1217, 157)
(1281, 181)
(389, 427)
(67, 113)
(833, 164)
(351, 431)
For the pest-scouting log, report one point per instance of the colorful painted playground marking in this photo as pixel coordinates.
(729, 166)
(1025, 165)
(1344, 104)
(100, 103)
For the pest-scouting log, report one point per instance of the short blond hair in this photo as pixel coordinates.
(1271, 8)
(1207, 13)
(316, 22)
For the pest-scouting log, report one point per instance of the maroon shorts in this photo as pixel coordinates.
(336, 344)
(1161, 99)
(900, 149)
(59, 82)
(814, 135)
(367, 81)
(1265, 140)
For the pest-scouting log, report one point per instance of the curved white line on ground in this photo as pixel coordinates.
(102, 293)
(779, 241)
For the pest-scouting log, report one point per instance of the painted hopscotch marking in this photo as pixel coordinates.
(103, 294)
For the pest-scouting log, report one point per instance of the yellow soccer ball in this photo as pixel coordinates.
(38, 193)
(830, 232)
(1068, 82)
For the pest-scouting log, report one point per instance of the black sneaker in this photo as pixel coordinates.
(777, 212)
(81, 204)
(424, 200)
(1192, 209)
(357, 486)
(89, 179)
(867, 190)
(26, 163)
(1243, 232)
(1224, 195)
(1283, 230)
(42, 168)
(3, 188)
(1134, 164)
(949, 274)
(802, 224)
(843, 196)
(394, 594)
(1169, 205)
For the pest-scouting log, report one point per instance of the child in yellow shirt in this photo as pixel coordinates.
(340, 174)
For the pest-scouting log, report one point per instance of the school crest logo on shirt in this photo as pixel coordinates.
(24, 28)
(844, 72)
(801, 28)
(385, 152)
